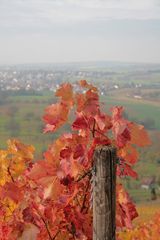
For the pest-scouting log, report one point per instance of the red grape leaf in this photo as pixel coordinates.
(139, 135)
(66, 93)
(120, 127)
(41, 169)
(126, 210)
(83, 83)
(88, 103)
(124, 169)
(80, 123)
(12, 191)
(5, 231)
(129, 153)
(56, 115)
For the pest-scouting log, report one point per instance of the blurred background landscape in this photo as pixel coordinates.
(114, 44)
(26, 90)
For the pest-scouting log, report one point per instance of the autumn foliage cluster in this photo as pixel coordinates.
(149, 231)
(51, 198)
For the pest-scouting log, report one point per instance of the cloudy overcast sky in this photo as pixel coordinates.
(79, 30)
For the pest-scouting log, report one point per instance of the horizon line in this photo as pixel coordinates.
(80, 62)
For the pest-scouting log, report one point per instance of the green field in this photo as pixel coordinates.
(26, 112)
(21, 117)
(136, 110)
(26, 122)
(30, 109)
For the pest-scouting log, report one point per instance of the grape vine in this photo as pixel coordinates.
(51, 198)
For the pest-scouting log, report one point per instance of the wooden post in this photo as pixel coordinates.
(104, 193)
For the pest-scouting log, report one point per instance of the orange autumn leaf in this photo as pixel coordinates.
(88, 103)
(66, 93)
(148, 230)
(55, 116)
(12, 191)
(139, 135)
(126, 210)
(14, 160)
(85, 84)
(20, 149)
(129, 154)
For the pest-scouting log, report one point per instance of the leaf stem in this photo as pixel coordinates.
(84, 175)
(85, 195)
(56, 235)
(94, 129)
(9, 172)
(45, 224)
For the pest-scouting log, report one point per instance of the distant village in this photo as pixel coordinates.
(40, 80)
(129, 81)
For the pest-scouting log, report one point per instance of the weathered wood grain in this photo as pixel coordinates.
(104, 193)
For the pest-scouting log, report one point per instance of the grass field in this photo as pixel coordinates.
(136, 109)
(21, 117)
(27, 119)
(26, 112)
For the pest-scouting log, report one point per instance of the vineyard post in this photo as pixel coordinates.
(104, 193)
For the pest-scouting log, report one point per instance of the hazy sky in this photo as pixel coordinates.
(79, 30)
